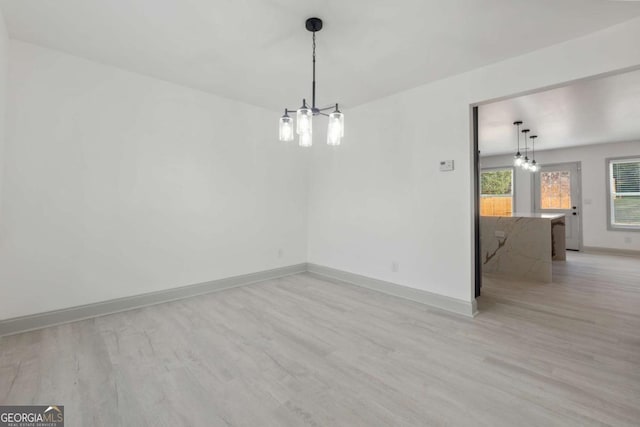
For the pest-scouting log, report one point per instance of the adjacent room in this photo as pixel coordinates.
(327, 213)
(559, 202)
(565, 178)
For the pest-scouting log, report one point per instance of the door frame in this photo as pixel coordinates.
(476, 203)
(578, 202)
(474, 156)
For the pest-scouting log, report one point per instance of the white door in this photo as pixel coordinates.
(556, 189)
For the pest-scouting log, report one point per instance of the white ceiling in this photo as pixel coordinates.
(258, 51)
(590, 112)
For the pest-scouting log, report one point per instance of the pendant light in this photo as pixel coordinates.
(305, 114)
(525, 163)
(534, 166)
(517, 159)
(335, 131)
(286, 127)
(304, 119)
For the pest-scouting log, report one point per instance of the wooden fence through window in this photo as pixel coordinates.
(496, 205)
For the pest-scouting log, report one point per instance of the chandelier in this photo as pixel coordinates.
(524, 162)
(304, 114)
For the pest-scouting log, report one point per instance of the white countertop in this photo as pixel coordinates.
(535, 215)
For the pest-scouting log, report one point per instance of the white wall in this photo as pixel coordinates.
(4, 65)
(594, 189)
(118, 184)
(381, 198)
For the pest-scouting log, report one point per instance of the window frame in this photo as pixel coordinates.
(607, 167)
(513, 183)
(537, 181)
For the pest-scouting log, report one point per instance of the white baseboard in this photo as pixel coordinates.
(56, 317)
(454, 305)
(72, 314)
(610, 251)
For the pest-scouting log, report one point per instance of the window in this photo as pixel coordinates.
(555, 190)
(624, 193)
(496, 192)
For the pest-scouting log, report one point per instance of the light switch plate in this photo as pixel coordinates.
(446, 165)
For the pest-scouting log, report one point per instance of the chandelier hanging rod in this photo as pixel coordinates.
(314, 25)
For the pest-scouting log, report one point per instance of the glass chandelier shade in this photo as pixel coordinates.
(335, 130)
(305, 139)
(304, 120)
(286, 127)
(517, 159)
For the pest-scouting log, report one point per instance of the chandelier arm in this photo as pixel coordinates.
(327, 108)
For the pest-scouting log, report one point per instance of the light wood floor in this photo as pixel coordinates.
(306, 351)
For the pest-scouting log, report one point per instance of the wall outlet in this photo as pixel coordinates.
(446, 165)
(394, 266)
(588, 201)
(500, 234)
(280, 253)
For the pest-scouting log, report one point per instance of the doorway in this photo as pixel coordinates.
(557, 189)
(570, 133)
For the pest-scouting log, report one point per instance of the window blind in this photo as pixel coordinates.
(624, 192)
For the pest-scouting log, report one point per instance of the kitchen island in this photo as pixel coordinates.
(522, 245)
